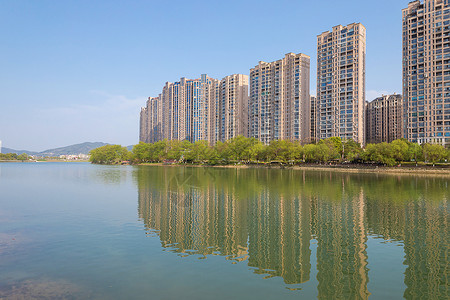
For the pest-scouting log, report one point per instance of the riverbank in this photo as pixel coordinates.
(63, 160)
(420, 170)
(17, 161)
(41, 161)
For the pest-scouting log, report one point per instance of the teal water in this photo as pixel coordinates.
(82, 231)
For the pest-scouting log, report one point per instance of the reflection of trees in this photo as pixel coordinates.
(268, 217)
(112, 175)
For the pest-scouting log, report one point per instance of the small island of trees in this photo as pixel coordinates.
(242, 150)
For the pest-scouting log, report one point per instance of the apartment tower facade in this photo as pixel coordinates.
(197, 109)
(143, 128)
(341, 72)
(313, 118)
(426, 71)
(232, 118)
(188, 107)
(384, 119)
(279, 104)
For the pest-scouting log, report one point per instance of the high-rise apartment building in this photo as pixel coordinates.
(384, 119)
(143, 128)
(197, 109)
(150, 125)
(313, 118)
(233, 107)
(279, 103)
(189, 105)
(426, 71)
(341, 70)
(184, 111)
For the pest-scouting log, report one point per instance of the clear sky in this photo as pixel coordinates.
(79, 71)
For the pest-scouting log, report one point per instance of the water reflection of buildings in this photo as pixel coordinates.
(341, 252)
(422, 226)
(268, 218)
(195, 220)
(279, 233)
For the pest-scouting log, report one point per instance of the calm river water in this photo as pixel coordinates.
(82, 231)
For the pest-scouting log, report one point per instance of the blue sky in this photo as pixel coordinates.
(77, 71)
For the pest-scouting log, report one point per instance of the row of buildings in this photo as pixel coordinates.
(274, 102)
(197, 109)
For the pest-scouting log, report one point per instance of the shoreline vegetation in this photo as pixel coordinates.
(42, 160)
(399, 156)
(24, 158)
(13, 157)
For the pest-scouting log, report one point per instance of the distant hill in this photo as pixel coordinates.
(82, 148)
(9, 150)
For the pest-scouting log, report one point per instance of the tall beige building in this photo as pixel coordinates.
(189, 107)
(154, 115)
(197, 109)
(233, 107)
(143, 128)
(426, 71)
(279, 104)
(384, 119)
(150, 124)
(313, 118)
(341, 70)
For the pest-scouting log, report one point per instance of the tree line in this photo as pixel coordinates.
(14, 156)
(249, 151)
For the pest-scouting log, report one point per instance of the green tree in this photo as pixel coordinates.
(379, 153)
(247, 153)
(22, 157)
(296, 151)
(186, 147)
(334, 145)
(141, 152)
(400, 150)
(237, 147)
(158, 151)
(109, 154)
(8, 156)
(325, 151)
(214, 157)
(415, 152)
(222, 153)
(199, 152)
(434, 153)
(174, 149)
(280, 150)
(338, 149)
(257, 152)
(352, 150)
(309, 151)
